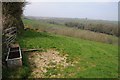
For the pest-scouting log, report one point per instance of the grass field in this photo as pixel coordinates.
(93, 59)
(90, 56)
(72, 32)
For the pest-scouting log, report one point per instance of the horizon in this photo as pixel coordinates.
(71, 18)
(90, 10)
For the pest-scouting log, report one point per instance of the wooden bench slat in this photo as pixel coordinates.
(9, 29)
(11, 39)
(11, 32)
(10, 35)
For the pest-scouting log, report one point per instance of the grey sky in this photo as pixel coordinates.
(91, 10)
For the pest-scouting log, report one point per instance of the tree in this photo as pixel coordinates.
(12, 12)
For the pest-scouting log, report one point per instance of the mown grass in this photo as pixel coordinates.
(95, 60)
(72, 32)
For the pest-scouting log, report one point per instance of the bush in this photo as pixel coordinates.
(109, 29)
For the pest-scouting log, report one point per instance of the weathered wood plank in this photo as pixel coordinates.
(9, 29)
(10, 35)
(31, 50)
(11, 32)
(12, 39)
(9, 38)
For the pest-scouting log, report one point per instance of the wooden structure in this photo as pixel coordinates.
(10, 35)
(14, 57)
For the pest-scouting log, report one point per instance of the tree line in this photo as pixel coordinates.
(110, 29)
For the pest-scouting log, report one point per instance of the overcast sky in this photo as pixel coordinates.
(90, 10)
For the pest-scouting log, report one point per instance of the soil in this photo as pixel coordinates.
(14, 53)
(41, 61)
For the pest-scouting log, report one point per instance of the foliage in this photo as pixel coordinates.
(99, 27)
(95, 60)
(12, 12)
(73, 24)
(91, 59)
(40, 25)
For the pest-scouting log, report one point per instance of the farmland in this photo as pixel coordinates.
(87, 54)
(57, 26)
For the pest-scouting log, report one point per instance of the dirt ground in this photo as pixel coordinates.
(41, 62)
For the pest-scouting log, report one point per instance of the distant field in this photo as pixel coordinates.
(90, 59)
(63, 20)
(43, 25)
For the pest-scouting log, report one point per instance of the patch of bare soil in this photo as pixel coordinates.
(40, 62)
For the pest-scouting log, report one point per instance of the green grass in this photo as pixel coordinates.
(72, 32)
(95, 60)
